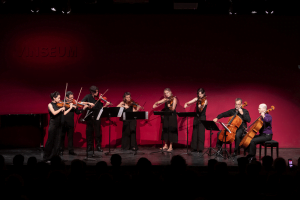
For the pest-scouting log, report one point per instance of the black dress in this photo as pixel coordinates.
(129, 132)
(54, 131)
(170, 130)
(198, 137)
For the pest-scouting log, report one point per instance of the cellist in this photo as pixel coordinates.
(265, 133)
(244, 115)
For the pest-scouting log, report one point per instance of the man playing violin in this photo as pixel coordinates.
(265, 133)
(92, 124)
(129, 126)
(68, 123)
(244, 115)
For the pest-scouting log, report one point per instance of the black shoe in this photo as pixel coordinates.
(193, 150)
(99, 149)
(72, 153)
(200, 151)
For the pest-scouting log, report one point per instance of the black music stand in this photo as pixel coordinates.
(211, 126)
(187, 115)
(226, 153)
(135, 116)
(111, 112)
(162, 113)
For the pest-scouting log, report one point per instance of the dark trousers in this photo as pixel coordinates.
(129, 135)
(93, 127)
(256, 140)
(70, 132)
(198, 137)
(238, 138)
(53, 142)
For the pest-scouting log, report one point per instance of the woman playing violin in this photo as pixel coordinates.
(170, 130)
(56, 113)
(198, 136)
(129, 126)
(92, 124)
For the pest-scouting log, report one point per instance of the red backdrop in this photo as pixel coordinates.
(255, 58)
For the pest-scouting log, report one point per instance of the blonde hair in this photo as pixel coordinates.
(167, 89)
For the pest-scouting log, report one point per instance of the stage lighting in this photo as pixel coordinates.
(53, 9)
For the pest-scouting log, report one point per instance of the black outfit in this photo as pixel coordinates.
(54, 131)
(129, 132)
(68, 127)
(239, 133)
(198, 136)
(170, 130)
(93, 125)
(265, 134)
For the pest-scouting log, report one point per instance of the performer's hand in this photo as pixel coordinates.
(126, 106)
(215, 120)
(86, 106)
(71, 105)
(91, 104)
(241, 111)
(62, 108)
(169, 105)
(185, 105)
(107, 103)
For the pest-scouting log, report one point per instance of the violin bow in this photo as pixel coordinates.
(101, 96)
(78, 96)
(65, 94)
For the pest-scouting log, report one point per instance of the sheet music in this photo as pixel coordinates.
(120, 111)
(100, 113)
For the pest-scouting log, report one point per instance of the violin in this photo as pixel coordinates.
(234, 122)
(102, 99)
(133, 104)
(201, 102)
(255, 127)
(60, 104)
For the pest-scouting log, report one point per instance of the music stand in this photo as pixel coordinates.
(162, 113)
(227, 154)
(135, 116)
(110, 112)
(187, 115)
(211, 126)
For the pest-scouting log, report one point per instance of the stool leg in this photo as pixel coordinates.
(259, 151)
(265, 149)
(272, 151)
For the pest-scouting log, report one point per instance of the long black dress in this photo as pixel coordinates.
(129, 132)
(54, 133)
(170, 130)
(198, 137)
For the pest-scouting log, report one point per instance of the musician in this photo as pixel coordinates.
(170, 130)
(198, 136)
(244, 115)
(129, 126)
(265, 133)
(68, 124)
(93, 126)
(53, 141)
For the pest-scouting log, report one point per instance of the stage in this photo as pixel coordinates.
(128, 159)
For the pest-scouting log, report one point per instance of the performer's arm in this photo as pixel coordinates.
(174, 104)
(224, 114)
(55, 112)
(190, 102)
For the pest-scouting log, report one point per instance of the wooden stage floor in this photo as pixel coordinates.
(128, 159)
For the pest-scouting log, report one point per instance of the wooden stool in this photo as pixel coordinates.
(271, 143)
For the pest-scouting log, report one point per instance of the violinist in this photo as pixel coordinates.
(198, 136)
(265, 133)
(129, 126)
(169, 130)
(53, 141)
(68, 123)
(93, 126)
(244, 115)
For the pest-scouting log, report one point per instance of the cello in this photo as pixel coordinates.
(254, 129)
(234, 122)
